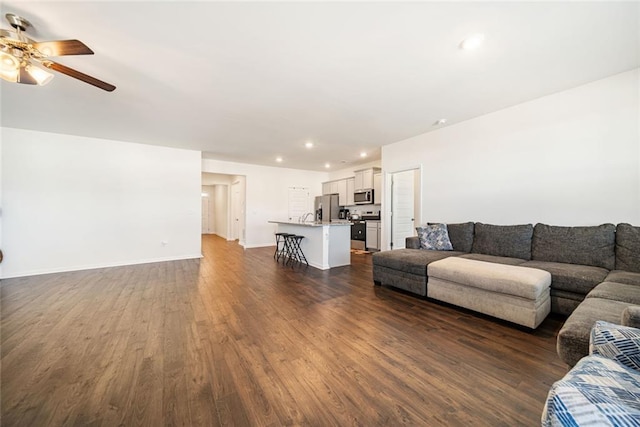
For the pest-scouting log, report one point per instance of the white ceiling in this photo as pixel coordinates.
(251, 81)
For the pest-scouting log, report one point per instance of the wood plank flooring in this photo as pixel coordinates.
(237, 339)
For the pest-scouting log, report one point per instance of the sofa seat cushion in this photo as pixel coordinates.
(563, 302)
(597, 391)
(573, 338)
(617, 292)
(570, 277)
(413, 283)
(568, 295)
(631, 316)
(495, 259)
(413, 261)
(527, 283)
(620, 276)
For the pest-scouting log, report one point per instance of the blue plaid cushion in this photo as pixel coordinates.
(616, 342)
(596, 392)
(434, 237)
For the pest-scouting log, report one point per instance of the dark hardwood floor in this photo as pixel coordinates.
(237, 339)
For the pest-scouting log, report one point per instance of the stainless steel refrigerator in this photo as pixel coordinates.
(326, 208)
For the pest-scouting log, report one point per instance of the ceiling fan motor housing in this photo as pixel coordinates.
(17, 22)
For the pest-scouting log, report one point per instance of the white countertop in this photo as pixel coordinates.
(313, 223)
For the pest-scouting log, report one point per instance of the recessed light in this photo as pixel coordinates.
(308, 144)
(327, 165)
(279, 159)
(474, 41)
(363, 154)
(440, 122)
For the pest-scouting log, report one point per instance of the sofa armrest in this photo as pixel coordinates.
(412, 242)
(631, 316)
(616, 342)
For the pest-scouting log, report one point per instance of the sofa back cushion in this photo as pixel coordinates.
(512, 241)
(575, 245)
(461, 236)
(627, 248)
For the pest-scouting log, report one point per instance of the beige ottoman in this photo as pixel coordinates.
(517, 294)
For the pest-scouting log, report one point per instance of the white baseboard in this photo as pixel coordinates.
(95, 266)
(259, 245)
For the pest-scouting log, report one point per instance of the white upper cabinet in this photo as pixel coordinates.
(351, 186)
(364, 178)
(326, 188)
(358, 181)
(377, 188)
(342, 192)
(330, 187)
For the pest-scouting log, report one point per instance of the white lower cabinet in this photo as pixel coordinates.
(373, 235)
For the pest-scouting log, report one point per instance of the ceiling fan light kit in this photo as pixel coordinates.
(9, 66)
(18, 54)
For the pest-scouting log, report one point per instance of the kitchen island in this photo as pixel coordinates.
(325, 245)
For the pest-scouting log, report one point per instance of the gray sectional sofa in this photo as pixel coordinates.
(595, 270)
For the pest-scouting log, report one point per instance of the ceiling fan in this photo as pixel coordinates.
(18, 54)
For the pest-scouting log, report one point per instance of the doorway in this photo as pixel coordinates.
(207, 220)
(405, 206)
(225, 207)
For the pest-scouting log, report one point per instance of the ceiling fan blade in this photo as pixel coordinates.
(78, 75)
(63, 47)
(25, 78)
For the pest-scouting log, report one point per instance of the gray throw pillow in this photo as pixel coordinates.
(434, 237)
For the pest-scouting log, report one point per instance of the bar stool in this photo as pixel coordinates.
(296, 250)
(281, 238)
(288, 251)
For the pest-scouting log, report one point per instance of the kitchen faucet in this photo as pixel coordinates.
(306, 216)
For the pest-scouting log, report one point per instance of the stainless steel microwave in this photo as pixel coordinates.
(363, 197)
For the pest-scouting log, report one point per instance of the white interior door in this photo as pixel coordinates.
(207, 211)
(402, 207)
(235, 211)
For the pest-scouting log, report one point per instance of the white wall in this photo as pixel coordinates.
(571, 158)
(73, 203)
(266, 195)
